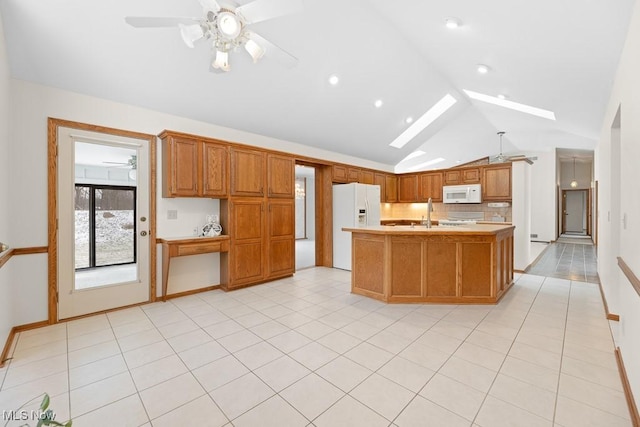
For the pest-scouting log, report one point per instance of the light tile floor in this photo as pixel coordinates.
(304, 351)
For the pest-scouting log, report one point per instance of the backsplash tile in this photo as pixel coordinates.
(440, 210)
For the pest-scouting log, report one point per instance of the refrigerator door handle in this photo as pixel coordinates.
(366, 214)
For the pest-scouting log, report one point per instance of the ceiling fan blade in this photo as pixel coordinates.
(155, 22)
(208, 5)
(273, 51)
(261, 10)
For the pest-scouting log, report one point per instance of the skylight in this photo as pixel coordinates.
(511, 105)
(426, 164)
(425, 120)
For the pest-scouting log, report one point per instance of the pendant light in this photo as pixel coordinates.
(500, 157)
(574, 183)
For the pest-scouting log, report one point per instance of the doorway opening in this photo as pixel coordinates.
(576, 208)
(101, 219)
(305, 208)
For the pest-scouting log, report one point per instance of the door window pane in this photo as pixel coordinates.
(115, 229)
(82, 238)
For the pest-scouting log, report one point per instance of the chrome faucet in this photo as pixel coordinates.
(427, 223)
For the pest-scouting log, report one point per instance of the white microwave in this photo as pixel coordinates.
(471, 193)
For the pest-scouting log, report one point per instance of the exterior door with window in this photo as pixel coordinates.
(103, 222)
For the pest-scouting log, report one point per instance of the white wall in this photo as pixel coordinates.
(543, 195)
(622, 298)
(31, 105)
(6, 310)
(521, 214)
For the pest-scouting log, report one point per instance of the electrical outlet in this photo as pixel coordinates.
(195, 231)
(172, 214)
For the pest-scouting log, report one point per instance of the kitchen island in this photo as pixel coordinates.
(471, 264)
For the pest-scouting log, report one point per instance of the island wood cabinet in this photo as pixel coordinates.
(431, 187)
(462, 176)
(496, 183)
(452, 267)
(193, 167)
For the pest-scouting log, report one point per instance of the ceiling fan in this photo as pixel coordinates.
(501, 158)
(226, 24)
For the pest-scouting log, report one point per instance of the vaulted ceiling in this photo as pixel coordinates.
(558, 55)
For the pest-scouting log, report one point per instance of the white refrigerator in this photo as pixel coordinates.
(354, 205)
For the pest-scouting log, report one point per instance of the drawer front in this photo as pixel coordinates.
(199, 248)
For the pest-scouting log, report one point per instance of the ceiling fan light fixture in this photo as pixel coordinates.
(229, 25)
(221, 61)
(191, 33)
(255, 50)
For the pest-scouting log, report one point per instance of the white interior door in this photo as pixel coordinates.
(575, 214)
(103, 222)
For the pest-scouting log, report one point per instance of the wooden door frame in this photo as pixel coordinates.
(323, 211)
(53, 125)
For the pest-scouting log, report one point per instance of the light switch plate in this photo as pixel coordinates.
(172, 214)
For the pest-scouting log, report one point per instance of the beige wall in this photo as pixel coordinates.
(619, 217)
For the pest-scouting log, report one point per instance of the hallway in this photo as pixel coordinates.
(572, 261)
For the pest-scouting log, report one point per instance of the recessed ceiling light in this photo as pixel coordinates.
(482, 69)
(458, 161)
(425, 120)
(408, 120)
(511, 105)
(502, 96)
(453, 23)
(378, 103)
(333, 80)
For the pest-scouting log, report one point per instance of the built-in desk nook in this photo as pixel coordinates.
(184, 246)
(454, 265)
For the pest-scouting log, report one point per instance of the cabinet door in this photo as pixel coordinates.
(452, 177)
(339, 174)
(391, 188)
(431, 186)
(471, 176)
(280, 176)
(247, 172)
(280, 237)
(366, 177)
(214, 170)
(408, 188)
(181, 167)
(246, 255)
(353, 174)
(497, 183)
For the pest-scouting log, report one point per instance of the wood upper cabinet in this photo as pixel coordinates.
(431, 186)
(280, 242)
(214, 170)
(388, 187)
(366, 177)
(462, 176)
(353, 174)
(496, 183)
(280, 176)
(339, 173)
(193, 167)
(408, 188)
(391, 188)
(247, 172)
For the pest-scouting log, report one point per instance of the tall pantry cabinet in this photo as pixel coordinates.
(260, 216)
